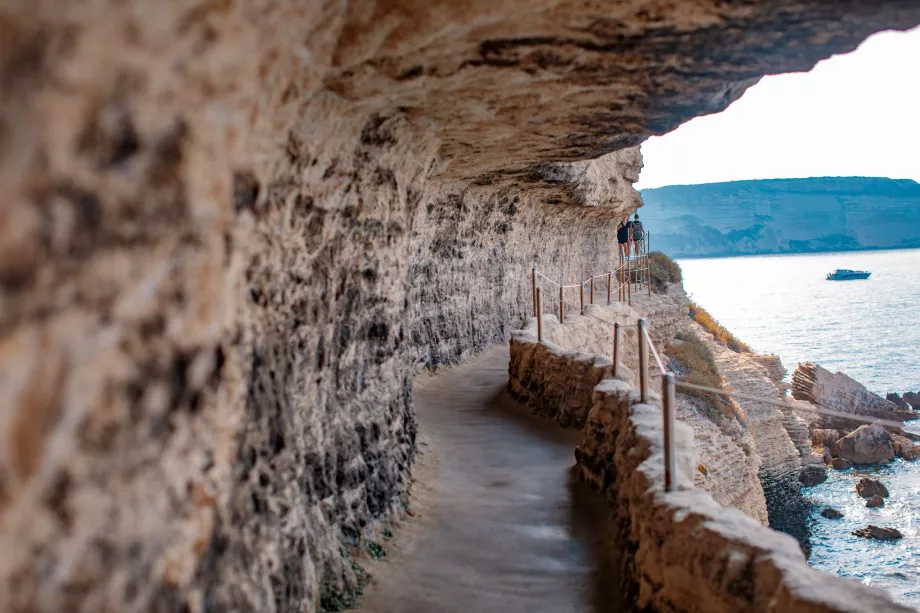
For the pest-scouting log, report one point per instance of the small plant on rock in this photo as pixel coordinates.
(662, 271)
(702, 317)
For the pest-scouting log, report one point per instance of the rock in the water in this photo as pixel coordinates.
(825, 436)
(866, 445)
(875, 501)
(841, 463)
(813, 474)
(875, 532)
(867, 488)
(831, 513)
(910, 453)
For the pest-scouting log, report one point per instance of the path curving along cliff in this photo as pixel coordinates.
(498, 525)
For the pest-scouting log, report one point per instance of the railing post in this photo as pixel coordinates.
(670, 459)
(616, 348)
(581, 297)
(539, 318)
(591, 301)
(628, 281)
(609, 280)
(533, 283)
(643, 361)
(561, 306)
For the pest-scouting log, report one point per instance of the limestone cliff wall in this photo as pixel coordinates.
(684, 551)
(781, 462)
(232, 231)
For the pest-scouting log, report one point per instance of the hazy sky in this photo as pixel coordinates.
(856, 114)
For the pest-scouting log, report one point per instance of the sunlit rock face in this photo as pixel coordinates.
(231, 231)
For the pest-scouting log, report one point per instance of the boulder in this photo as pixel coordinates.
(822, 452)
(841, 464)
(897, 400)
(913, 399)
(910, 453)
(831, 513)
(875, 501)
(825, 436)
(876, 532)
(904, 447)
(813, 474)
(865, 445)
(867, 488)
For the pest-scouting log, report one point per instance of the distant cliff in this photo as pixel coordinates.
(783, 216)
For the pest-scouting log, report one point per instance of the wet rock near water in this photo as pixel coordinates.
(841, 463)
(830, 513)
(878, 533)
(865, 445)
(813, 474)
(867, 488)
(909, 401)
(875, 502)
(904, 447)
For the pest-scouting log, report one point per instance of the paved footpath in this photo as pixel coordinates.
(499, 525)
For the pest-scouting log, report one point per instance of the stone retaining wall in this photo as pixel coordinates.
(688, 553)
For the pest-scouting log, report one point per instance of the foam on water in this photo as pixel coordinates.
(866, 329)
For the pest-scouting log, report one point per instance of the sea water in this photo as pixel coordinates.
(868, 329)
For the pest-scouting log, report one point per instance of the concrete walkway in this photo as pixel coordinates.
(498, 524)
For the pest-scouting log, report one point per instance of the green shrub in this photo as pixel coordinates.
(662, 270)
(702, 317)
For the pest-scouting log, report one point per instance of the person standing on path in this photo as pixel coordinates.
(623, 239)
(637, 234)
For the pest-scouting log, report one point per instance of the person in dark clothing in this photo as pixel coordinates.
(636, 234)
(623, 238)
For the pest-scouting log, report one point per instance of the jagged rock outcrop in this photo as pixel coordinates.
(878, 533)
(825, 437)
(910, 400)
(781, 465)
(232, 231)
(730, 462)
(875, 501)
(772, 365)
(812, 474)
(867, 488)
(865, 445)
(838, 392)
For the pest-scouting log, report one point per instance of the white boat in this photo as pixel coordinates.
(845, 274)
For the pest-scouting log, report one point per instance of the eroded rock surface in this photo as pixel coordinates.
(879, 533)
(865, 445)
(232, 231)
(867, 488)
(838, 392)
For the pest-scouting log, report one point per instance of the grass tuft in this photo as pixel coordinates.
(702, 317)
(698, 366)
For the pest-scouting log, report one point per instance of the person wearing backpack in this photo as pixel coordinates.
(623, 239)
(637, 234)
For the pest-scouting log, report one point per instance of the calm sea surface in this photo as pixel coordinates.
(869, 330)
